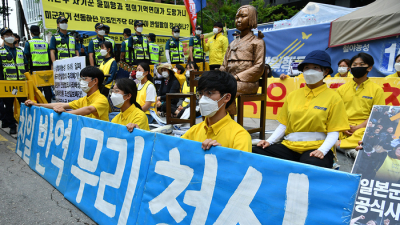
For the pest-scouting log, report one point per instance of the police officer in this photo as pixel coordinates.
(11, 68)
(94, 48)
(80, 46)
(124, 46)
(37, 53)
(154, 49)
(109, 38)
(174, 48)
(196, 53)
(236, 34)
(62, 45)
(138, 46)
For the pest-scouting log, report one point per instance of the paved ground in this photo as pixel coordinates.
(26, 198)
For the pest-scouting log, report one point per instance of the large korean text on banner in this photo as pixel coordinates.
(118, 14)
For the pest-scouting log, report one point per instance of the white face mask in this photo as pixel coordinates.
(176, 34)
(215, 31)
(139, 29)
(209, 107)
(187, 73)
(117, 100)
(165, 74)
(103, 52)
(9, 40)
(139, 75)
(175, 70)
(397, 66)
(63, 26)
(342, 70)
(198, 32)
(85, 86)
(313, 76)
(102, 32)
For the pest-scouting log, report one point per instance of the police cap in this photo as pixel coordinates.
(61, 19)
(198, 27)
(99, 26)
(176, 29)
(138, 23)
(5, 30)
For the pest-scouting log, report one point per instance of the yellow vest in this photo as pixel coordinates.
(141, 97)
(106, 70)
(185, 90)
(390, 170)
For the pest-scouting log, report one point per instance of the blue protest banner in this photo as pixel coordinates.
(117, 177)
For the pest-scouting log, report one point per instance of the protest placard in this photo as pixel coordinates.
(66, 79)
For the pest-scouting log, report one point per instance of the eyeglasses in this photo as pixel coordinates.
(85, 78)
(199, 94)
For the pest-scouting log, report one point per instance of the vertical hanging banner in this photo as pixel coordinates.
(118, 177)
(66, 78)
(191, 8)
(118, 14)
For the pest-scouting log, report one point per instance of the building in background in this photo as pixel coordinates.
(29, 12)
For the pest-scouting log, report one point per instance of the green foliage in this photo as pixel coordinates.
(271, 13)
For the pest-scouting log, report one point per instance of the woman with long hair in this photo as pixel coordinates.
(108, 66)
(146, 94)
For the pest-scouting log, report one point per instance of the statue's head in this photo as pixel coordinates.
(246, 18)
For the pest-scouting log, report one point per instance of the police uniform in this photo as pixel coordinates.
(175, 48)
(12, 68)
(154, 50)
(64, 45)
(138, 47)
(95, 46)
(37, 53)
(195, 42)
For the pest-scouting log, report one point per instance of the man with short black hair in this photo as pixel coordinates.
(217, 45)
(62, 45)
(217, 91)
(93, 105)
(37, 53)
(94, 47)
(138, 45)
(154, 49)
(124, 46)
(108, 38)
(12, 68)
(196, 53)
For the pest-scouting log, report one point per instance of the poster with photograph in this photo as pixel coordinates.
(378, 197)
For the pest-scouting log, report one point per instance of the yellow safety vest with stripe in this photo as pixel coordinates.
(176, 52)
(154, 50)
(105, 67)
(197, 49)
(97, 54)
(140, 51)
(39, 52)
(127, 51)
(110, 40)
(63, 50)
(12, 70)
(141, 97)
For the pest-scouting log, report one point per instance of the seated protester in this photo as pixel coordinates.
(344, 68)
(93, 105)
(396, 67)
(108, 66)
(180, 74)
(310, 119)
(123, 96)
(358, 96)
(146, 95)
(169, 84)
(184, 103)
(217, 91)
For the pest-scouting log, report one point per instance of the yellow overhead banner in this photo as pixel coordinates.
(158, 18)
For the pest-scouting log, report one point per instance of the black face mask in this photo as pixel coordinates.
(359, 72)
(15, 42)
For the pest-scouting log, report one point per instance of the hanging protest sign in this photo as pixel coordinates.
(378, 198)
(118, 177)
(66, 78)
(118, 14)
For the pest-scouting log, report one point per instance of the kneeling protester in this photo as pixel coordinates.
(310, 119)
(93, 105)
(217, 91)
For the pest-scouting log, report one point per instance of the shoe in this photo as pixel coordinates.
(13, 130)
(351, 153)
(167, 129)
